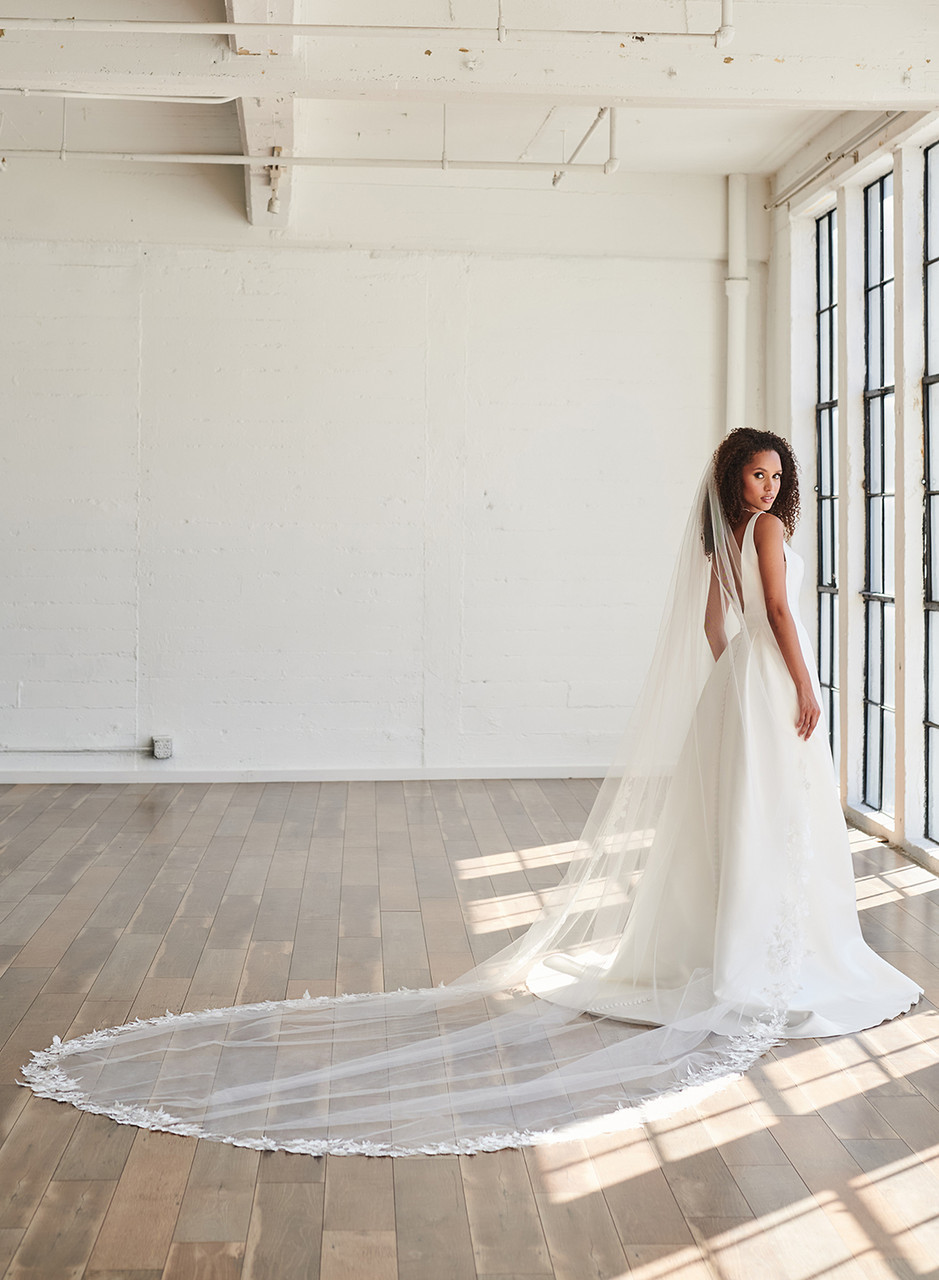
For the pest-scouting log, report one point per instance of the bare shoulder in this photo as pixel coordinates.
(769, 531)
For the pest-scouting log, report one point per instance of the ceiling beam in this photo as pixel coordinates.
(839, 56)
(267, 128)
(266, 122)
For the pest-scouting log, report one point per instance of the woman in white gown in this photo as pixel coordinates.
(752, 820)
(708, 911)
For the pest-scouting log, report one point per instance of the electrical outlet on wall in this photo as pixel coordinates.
(162, 747)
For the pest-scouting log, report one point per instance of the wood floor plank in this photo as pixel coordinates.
(138, 1228)
(10, 1238)
(505, 1225)
(662, 1262)
(431, 1219)
(641, 1201)
(285, 1237)
(285, 1166)
(739, 1250)
(126, 967)
(234, 921)
(29, 1156)
(83, 960)
(49, 943)
(62, 1233)
(216, 1205)
(359, 967)
(157, 996)
(266, 972)
(349, 1255)
(215, 981)
(97, 1150)
(359, 1194)
(582, 1239)
(201, 1261)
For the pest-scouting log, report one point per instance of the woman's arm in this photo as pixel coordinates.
(768, 540)
(714, 616)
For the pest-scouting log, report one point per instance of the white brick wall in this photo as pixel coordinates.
(312, 510)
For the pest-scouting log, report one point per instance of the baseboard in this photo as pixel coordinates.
(156, 773)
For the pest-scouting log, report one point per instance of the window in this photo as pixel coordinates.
(879, 444)
(931, 481)
(826, 458)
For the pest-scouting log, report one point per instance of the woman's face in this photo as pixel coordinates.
(760, 480)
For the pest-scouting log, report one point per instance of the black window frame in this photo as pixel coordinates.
(826, 466)
(931, 492)
(879, 495)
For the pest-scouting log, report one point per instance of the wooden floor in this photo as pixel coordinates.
(119, 901)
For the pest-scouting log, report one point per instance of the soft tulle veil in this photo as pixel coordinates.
(484, 1063)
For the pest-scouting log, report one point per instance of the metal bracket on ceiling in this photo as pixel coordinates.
(275, 170)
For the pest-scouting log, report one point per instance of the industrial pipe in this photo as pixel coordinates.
(325, 162)
(116, 97)
(736, 286)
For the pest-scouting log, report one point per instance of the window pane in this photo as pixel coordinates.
(890, 442)
(825, 478)
(932, 312)
(932, 432)
(834, 727)
(875, 425)
(888, 227)
(932, 691)
(887, 314)
(875, 578)
(889, 565)
(932, 210)
(824, 359)
(932, 665)
(872, 203)
(824, 639)
(834, 628)
(875, 366)
(822, 230)
(890, 756)
(872, 748)
(874, 632)
(889, 698)
(932, 782)
(833, 438)
(932, 584)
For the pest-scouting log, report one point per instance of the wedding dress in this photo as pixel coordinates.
(726, 851)
(707, 912)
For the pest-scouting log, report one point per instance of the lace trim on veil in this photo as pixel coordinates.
(47, 1077)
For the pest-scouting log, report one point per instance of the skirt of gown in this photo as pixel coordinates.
(748, 897)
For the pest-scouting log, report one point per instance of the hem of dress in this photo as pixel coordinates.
(905, 1007)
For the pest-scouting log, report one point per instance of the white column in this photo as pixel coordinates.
(908, 363)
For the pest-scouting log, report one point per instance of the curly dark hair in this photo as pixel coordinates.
(734, 452)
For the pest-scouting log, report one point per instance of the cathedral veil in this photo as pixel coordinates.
(612, 1006)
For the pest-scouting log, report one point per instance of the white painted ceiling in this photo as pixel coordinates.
(683, 103)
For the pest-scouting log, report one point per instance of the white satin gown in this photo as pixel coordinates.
(747, 902)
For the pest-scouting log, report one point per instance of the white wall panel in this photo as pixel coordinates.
(314, 510)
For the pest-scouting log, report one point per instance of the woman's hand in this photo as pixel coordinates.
(809, 711)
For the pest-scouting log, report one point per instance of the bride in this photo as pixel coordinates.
(708, 911)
